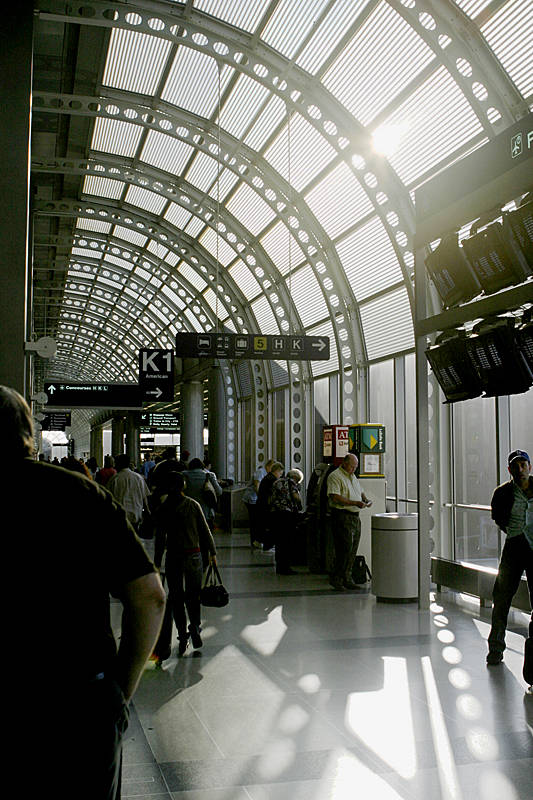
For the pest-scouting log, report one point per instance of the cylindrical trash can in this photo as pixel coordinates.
(395, 557)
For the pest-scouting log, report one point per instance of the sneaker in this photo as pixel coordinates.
(350, 585)
(182, 646)
(529, 691)
(257, 545)
(337, 585)
(196, 639)
(494, 658)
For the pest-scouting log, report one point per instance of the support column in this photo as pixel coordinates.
(97, 445)
(16, 69)
(117, 435)
(217, 422)
(192, 419)
(133, 438)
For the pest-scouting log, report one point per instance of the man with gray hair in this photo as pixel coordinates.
(76, 548)
(345, 498)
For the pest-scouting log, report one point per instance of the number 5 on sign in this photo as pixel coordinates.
(260, 343)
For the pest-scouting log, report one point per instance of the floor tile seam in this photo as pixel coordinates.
(155, 762)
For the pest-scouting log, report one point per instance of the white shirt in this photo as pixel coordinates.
(131, 491)
(341, 482)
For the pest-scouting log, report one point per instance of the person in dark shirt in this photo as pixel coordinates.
(74, 550)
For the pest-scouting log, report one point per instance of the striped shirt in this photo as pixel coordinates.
(517, 520)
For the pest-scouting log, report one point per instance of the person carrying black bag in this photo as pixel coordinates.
(182, 531)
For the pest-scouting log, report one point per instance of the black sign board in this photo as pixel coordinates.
(56, 420)
(252, 345)
(93, 395)
(501, 166)
(159, 422)
(156, 375)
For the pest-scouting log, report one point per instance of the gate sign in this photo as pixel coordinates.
(159, 422)
(56, 420)
(291, 347)
(156, 375)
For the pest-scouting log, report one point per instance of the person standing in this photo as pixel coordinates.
(147, 465)
(182, 531)
(263, 504)
(249, 498)
(512, 511)
(346, 498)
(104, 475)
(285, 508)
(73, 561)
(130, 490)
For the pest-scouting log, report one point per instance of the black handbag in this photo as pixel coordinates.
(209, 496)
(213, 593)
(360, 571)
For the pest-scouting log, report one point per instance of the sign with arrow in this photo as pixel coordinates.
(156, 375)
(253, 345)
(93, 395)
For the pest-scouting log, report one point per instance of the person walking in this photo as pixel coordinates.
(345, 498)
(73, 561)
(104, 475)
(182, 533)
(195, 479)
(130, 490)
(512, 511)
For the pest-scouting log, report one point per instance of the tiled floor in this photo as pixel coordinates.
(302, 693)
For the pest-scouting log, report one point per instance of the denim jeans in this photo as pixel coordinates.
(517, 556)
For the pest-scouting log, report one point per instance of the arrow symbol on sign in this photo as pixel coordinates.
(320, 345)
(157, 393)
(51, 389)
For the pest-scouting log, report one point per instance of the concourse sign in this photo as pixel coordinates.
(252, 345)
(56, 420)
(159, 422)
(93, 395)
(156, 375)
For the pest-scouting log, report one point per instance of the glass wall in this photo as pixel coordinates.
(522, 422)
(321, 414)
(381, 409)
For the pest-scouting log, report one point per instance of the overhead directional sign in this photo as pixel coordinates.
(252, 345)
(159, 422)
(56, 420)
(156, 375)
(93, 395)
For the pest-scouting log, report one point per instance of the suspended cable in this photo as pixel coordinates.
(218, 194)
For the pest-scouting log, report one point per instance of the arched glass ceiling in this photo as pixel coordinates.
(252, 164)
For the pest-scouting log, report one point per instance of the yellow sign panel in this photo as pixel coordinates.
(260, 343)
(373, 441)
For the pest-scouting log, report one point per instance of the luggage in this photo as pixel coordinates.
(360, 571)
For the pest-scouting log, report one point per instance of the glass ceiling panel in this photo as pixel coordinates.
(128, 235)
(166, 153)
(143, 198)
(472, 7)
(225, 254)
(267, 123)
(290, 23)
(369, 260)
(382, 338)
(307, 296)
(250, 209)
(243, 14)
(203, 171)
(83, 252)
(431, 124)
(266, 321)
(383, 57)
(218, 308)
(244, 279)
(103, 187)
(339, 201)
(510, 34)
(282, 249)
(193, 82)
(308, 150)
(135, 61)
(116, 136)
(225, 183)
(192, 276)
(93, 225)
(335, 24)
(242, 105)
(177, 215)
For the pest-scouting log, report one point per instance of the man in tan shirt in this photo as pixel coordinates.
(346, 498)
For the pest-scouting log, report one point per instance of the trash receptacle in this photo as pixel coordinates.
(395, 557)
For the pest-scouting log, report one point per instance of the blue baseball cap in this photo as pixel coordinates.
(517, 454)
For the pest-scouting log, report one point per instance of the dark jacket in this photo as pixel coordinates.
(502, 504)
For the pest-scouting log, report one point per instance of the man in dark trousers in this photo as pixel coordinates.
(72, 548)
(512, 510)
